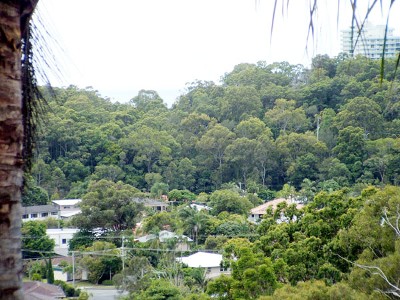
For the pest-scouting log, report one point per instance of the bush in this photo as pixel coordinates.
(36, 277)
(107, 282)
(67, 288)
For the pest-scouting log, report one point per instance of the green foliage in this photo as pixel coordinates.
(103, 259)
(83, 295)
(34, 238)
(50, 272)
(221, 287)
(36, 277)
(160, 289)
(136, 276)
(229, 201)
(160, 221)
(33, 194)
(67, 288)
(81, 239)
(181, 195)
(316, 290)
(159, 189)
(267, 123)
(270, 130)
(108, 205)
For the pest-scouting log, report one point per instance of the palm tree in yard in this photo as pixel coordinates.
(193, 221)
(14, 29)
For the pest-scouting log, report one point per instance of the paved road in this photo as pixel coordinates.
(102, 293)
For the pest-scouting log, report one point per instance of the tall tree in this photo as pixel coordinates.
(14, 19)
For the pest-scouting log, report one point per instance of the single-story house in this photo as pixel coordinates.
(258, 212)
(59, 274)
(36, 290)
(165, 235)
(156, 205)
(210, 262)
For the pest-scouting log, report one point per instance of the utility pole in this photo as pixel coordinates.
(73, 269)
(123, 253)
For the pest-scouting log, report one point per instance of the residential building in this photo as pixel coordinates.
(59, 273)
(67, 207)
(370, 41)
(39, 212)
(36, 290)
(152, 203)
(61, 237)
(199, 207)
(212, 263)
(59, 209)
(165, 235)
(258, 212)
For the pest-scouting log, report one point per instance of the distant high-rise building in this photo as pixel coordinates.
(370, 41)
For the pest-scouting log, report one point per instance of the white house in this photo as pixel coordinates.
(59, 273)
(164, 236)
(211, 262)
(200, 207)
(59, 209)
(61, 237)
(67, 207)
(38, 212)
(258, 212)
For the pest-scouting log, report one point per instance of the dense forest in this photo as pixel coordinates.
(335, 125)
(327, 136)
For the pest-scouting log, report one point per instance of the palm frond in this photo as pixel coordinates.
(37, 60)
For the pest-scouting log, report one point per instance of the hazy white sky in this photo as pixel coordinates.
(119, 47)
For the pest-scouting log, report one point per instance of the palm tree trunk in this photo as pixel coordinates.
(13, 15)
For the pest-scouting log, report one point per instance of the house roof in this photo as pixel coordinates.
(69, 213)
(35, 290)
(52, 231)
(67, 201)
(38, 209)
(163, 235)
(199, 207)
(149, 202)
(260, 210)
(202, 260)
(57, 260)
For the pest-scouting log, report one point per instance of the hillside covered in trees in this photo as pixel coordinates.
(328, 137)
(335, 125)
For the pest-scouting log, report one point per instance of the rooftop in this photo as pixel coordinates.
(202, 260)
(163, 235)
(67, 201)
(38, 209)
(35, 290)
(273, 204)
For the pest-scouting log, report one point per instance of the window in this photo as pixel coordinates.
(54, 213)
(45, 214)
(64, 241)
(33, 215)
(25, 216)
(66, 207)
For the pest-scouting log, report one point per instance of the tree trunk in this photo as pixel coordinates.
(14, 15)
